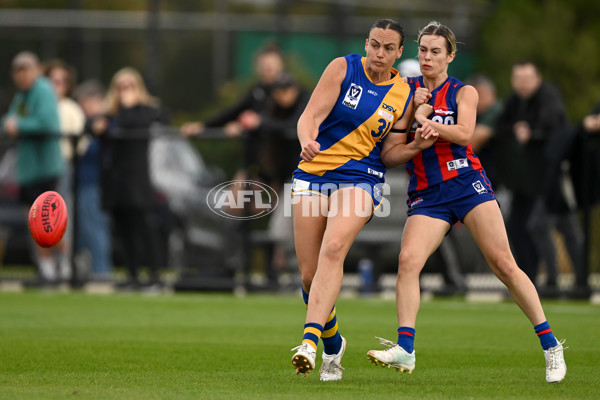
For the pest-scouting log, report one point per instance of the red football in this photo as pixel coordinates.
(48, 219)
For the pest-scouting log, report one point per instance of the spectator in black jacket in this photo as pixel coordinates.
(273, 146)
(127, 192)
(585, 159)
(269, 64)
(533, 133)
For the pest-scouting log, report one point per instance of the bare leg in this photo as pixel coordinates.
(422, 236)
(344, 221)
(310, 219)
(487, 227)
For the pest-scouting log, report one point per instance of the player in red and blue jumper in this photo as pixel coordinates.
(448, 184)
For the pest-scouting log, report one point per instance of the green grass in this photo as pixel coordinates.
(203, 346)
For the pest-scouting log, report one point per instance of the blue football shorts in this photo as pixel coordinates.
(307, 184)
(453, 199)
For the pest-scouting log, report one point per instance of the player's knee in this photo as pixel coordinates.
(333, 250)
(408, 263)
(505, 268)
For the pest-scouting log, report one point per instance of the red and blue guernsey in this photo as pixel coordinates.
(444, 160)
(351, 136)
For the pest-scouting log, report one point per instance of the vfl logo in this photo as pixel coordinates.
(353, 96)
(242, 199)
(478, 186)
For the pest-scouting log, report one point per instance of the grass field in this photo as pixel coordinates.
(209, 346)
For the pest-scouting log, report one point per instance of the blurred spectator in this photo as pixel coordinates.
(274, 148)
(584, 160)
(488, 109)
(71, 116)
(274, 152)
(269, 64)
(33, 119)
(533, 132)
(93, 224)
(127, 192)
(72, 120)
(585, 171)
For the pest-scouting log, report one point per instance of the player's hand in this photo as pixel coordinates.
(422, 96)
(423, 111)
(310, 150)
(191, 129)
(425, 136)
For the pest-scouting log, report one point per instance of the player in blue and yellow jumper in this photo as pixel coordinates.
(357, 104)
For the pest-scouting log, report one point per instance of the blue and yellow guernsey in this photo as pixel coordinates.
(352, 134)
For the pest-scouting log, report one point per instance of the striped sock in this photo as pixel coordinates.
(312, 332)
(332, 340)
(406, 338)
(546, 336)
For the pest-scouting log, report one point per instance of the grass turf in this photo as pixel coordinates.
(207, 346)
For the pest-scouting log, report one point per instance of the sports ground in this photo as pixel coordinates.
(219, 346)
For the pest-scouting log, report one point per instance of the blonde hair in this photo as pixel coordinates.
(112, 96)
(435, 28)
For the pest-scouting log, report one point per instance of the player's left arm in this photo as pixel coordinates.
(461, 132)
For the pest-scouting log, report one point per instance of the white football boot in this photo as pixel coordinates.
(331, 369)
(556, 368)
(393, 357)
(304, 359)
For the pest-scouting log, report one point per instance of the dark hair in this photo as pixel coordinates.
(435, 28)
(480, 80)
(389, 24)
(89, 88)
(71, 73)
(271, 47)
(525, 61)
(284, 81)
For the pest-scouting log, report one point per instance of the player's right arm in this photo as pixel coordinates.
(319, 106)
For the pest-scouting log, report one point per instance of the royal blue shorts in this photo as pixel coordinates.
(304, 184)
(453, 199)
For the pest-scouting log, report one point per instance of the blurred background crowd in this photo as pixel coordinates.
(138, 109)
